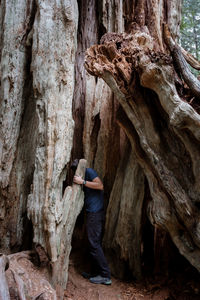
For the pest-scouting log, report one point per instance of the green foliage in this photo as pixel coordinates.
(190, 28)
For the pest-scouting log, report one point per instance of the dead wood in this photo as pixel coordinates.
(25, 280)
(187, 75)
(189, 78)
(191, 60)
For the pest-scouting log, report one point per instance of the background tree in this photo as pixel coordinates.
(190, 27)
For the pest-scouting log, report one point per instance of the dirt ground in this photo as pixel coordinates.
(180, 287)
(24, 276)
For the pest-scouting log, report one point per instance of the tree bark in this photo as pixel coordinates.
(38, 44)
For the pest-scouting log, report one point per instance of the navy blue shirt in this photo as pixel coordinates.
(93, 198)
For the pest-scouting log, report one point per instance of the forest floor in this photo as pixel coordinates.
(182, 286)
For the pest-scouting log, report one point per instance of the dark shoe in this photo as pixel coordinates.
(101, 280)
(86, 275)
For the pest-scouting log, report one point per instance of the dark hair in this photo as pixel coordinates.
(74, 164)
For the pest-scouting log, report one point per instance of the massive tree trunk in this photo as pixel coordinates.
(133, 122)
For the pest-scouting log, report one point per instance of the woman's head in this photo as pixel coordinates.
(74, 164)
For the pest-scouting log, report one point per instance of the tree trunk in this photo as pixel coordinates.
(135, 122)
(38, 44)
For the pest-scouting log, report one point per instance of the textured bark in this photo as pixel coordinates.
(38, 44)
(124, 227)
(95, 116)
(60, 238)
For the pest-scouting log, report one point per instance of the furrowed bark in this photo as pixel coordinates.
(123, 234)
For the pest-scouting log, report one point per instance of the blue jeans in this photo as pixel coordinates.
(94, 227)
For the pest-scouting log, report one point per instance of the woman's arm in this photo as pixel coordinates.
(96, 183)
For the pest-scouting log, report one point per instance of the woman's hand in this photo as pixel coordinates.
(78, 179)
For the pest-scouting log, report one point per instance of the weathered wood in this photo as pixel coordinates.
(189, 78)
(36, 132)
(191, 60)
(4, 264)
(123, 234)
(20, 285)
(72, 205)
(26, 280)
